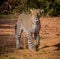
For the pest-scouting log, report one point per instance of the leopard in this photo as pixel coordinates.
(31, 25)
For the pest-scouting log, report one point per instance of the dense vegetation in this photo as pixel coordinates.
(51, 7)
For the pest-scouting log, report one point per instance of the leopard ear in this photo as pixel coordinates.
(31, 11)
(41, 11)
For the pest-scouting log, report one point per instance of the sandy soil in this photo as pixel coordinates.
(49, 38)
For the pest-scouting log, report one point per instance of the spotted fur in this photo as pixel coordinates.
(29, 23)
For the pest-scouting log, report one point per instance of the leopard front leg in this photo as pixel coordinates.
(30, 42)
(37, 39)
(18, 37)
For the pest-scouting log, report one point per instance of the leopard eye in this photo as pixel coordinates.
(36, 19)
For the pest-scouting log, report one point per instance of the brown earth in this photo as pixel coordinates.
(49, 38)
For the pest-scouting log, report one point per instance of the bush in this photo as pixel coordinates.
(51, 7)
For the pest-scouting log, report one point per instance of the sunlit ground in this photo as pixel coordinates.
(48, 49)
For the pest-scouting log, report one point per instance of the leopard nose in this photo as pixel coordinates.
(37, 22)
